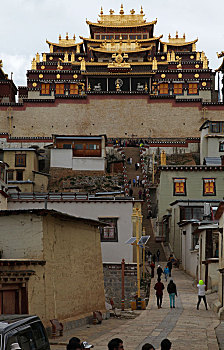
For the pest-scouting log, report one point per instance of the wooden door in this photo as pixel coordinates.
(9, 302)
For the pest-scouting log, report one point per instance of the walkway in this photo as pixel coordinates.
(186, 327)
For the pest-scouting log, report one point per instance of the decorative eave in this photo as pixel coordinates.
(117, 41)
(179, 44)
(104, 25)
(118, 50)
(70, 43)
(221, 68)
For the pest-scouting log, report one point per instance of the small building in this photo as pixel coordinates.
(80, 153)
(8, 89)
(3, 185)
(212, 142)
(51, 264)
(24, 169)
(182, 193)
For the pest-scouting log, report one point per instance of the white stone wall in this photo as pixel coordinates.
(61, 158)
(88, 163)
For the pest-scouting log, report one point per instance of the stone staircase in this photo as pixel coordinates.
(134, 153)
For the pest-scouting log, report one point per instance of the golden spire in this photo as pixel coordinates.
(132, 12)
(111, 12)
(83, 65)
(205, 63)
(193, 47)
(66, 36)
(66, 56)
(34, 64)
(165, 48)
(122, 10)
(202, 56)
(89, 87)
(51, 48)
(169, 37)
(154, 64)
(198, 56)
(176, 34)
(141, 11)
(59, 37)
(74, 37)
(72, 57)
(44, 57)
(168, 57)
(77, 49)
(101, 11)
(37, 57)
(172, 56)
(184, 36)
(146, 87)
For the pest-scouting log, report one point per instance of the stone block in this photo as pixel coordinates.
(216, 305)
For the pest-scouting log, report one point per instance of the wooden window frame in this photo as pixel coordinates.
(18, 157)
(176, 187)
(10, 171)
(45, 89)
(107, 228)
(207, 184)
(178, 89)
(71, 89)
(59, 87)
(191, 89)
(19, 171)
(163, 89)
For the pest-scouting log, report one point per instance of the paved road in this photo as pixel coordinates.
(186, 327)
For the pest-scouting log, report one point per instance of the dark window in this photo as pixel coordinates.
(67, 146)
(26, 340)
(144, 36)
(2, 173)
(78, 146)
(39, 335)
(20, 160)
(221, 146)
(117, 37)
(109, 233)
(188, 213)
(209, 187)
(125, 37)
(179, 187)
(194, 241)
(10, 174)
(92, 147)
(216, 127)
(19, 175)
(97, 37)
(11, 339)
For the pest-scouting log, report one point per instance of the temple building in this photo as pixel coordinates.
(8, 89)
(121, 56)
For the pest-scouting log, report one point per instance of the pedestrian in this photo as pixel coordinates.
(159, 287)
(170, 266)
(201, 294)
(154, 258)
(143, 183)
(130, 192)
(159, 271)
(172, 290)
(115, 344)
(130, 160)
(136, 166)
(166, 344)
(129, 182)
(134, 182)
(148, 346)
(166, 272)
(74, 343)
(152, 265)
(137, 178)
(158, 255)
(140, 194)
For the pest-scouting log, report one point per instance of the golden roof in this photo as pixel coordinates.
(121, 20)
(123, 40)
(64, 42)
(128, 50)
(178, 41)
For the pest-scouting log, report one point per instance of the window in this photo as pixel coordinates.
(178, 89)
(216, 127)
(188, 213)
(19, 175)
(194, 241)
(92, 147)
(10, 175)
(79, 146)
(109, 233)
(74, 89)
(26, 340)
(2, 173)
(221, 146)
(209, 187)
(67, 146)
(163, 89)
(179, 187)
(39, 335)
(144, 36)
(20, 160)
(45, 89)
(193, 89)
(59, 89)
(97, 36)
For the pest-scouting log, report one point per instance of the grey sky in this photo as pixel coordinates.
(26, 24)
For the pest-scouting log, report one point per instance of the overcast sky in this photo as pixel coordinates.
(26, 24)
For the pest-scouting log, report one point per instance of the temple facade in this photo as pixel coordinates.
(121, 56)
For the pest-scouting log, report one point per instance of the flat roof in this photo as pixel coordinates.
(195, 201)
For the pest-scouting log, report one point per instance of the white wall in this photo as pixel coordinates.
(88, 163)
(61, 158)
(111, 251)
(189, 256)
(25, 232)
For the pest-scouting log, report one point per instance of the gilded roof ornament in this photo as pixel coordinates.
(132, 12)
(111, 12)
(101, 11)
(178, 41)
(219, 55)
(141, 12)
(66, 36)
(122, 10)
(34, 64)
(37, 57)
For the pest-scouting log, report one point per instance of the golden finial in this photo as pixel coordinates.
(198, 56)
(176, 34)
(74, 37)
(172, 57)
(165, 48)
(89, 87)
(66, 57)
(154, 64)
(205, 63)
(37, 57)
(111, 12)
(169, 37)
(51, 48)
(44, 57)
(83, 65)
(58, 66)
(122, 10)
(66, 36)
(146, 87)
(132, 12)
(78, 49)
(117, 86)
(184, 36)
(34, 64)
(101, 11)
(59, 37)
(141, 11)
(72, 57)
(168, 57)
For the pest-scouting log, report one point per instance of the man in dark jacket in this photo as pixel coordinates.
(172, 290)
(159, 286)
(170, 265)
(159, 271)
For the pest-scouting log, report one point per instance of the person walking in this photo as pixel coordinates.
(154, 258)
(137, 178)
(170, 266)
(140, 194)
(152, 265)
(201, 294)
(166, 272)
(130, 192)
(172, 290)
(159, 287)
(159, 271)
(134, 182)
(158, 255)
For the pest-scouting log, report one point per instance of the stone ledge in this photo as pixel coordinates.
(216, 305)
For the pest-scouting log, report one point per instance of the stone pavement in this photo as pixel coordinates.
(186, 327)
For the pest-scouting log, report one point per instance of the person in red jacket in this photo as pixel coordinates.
(159, 287)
